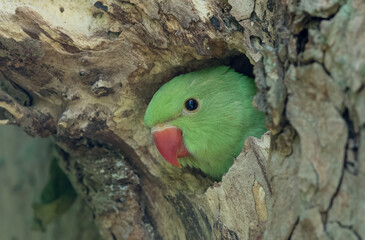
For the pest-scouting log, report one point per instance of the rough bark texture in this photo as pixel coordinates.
(84, 72)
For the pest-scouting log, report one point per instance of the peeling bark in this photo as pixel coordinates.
(322, 77)
(84, 72)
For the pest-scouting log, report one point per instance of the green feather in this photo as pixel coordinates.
(215, 134)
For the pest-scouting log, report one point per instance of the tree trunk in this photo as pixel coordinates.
(84, 72)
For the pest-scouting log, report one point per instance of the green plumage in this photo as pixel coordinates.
(215, 133)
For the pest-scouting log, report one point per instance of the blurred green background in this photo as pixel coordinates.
(24, 172)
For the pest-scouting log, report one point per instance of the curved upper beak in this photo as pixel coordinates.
(169, 143)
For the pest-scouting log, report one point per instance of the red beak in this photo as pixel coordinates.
(170, 144)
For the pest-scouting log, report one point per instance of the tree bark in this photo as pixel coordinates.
(83, 72)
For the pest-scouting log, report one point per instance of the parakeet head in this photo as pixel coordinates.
(202, 118)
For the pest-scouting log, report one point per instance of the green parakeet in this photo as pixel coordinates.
(201, 119)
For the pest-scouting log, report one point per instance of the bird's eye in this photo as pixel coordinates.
(191, 104)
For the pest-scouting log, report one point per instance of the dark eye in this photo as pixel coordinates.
(191, 104)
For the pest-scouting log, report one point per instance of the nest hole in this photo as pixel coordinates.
(238, 61)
